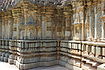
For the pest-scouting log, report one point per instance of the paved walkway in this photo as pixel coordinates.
(50, 68)
(7, 66)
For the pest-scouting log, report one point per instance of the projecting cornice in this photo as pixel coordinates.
(5, 4)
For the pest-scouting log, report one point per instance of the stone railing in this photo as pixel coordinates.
(82, 54)
(74, 55)
(4, 50)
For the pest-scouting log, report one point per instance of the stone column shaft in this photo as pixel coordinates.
(103, 32)
(90, 29)
(95, 24)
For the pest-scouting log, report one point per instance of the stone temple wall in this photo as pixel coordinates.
(26, 54)
(35, 35)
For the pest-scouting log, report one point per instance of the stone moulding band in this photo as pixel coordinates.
(29, 54)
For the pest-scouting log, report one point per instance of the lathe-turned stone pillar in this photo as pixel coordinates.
(95, 37)
(103, 25)
(83, 25)
(103, 30)
(90, 24)
(0, 26)
(3, 27)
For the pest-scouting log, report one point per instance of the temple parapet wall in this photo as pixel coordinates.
(26, 54)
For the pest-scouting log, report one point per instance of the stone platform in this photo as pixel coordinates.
(74, 55)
